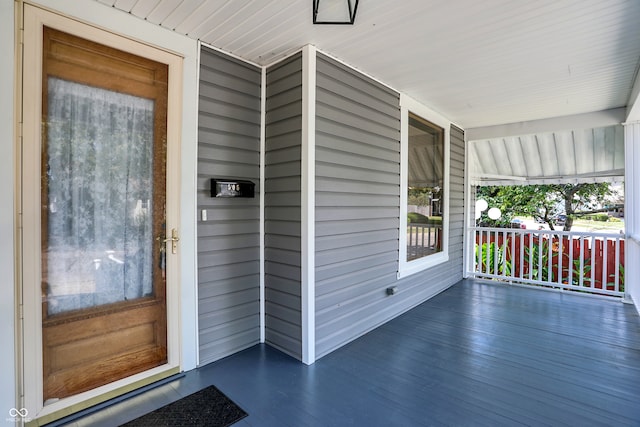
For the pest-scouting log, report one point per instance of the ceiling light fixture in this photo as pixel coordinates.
(334, 12)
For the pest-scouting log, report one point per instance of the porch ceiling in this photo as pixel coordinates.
(578, 155)
(478, 63)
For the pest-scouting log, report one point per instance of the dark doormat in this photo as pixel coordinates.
(208, 407)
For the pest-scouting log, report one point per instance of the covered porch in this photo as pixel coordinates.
(311, 269)
(479, 353)
(577, 150)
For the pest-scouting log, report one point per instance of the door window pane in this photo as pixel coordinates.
(99, 187)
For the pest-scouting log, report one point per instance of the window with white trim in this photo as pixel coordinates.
(424, 188)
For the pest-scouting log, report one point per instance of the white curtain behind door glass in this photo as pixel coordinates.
(100, 180)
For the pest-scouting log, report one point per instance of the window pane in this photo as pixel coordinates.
(425, 188)
(99, 182)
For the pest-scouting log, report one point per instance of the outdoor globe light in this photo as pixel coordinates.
(494, 213)
(481, 205)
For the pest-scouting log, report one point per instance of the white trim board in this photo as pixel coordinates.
(9, 81)
(308, 203)
(407, 268)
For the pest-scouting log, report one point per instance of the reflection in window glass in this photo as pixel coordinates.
(425, 188)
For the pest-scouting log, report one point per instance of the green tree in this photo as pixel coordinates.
(419, 196)
(422, 196)
(545, 202)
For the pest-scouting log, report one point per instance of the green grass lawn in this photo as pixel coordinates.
(599, 225)
(610, 226)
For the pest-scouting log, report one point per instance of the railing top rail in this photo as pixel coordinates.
(422, 224)
(552, 232)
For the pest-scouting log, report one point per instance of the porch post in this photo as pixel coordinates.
(307, 204)
(467, 212)
(470, 188)
(632, 212)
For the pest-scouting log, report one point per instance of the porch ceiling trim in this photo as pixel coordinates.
(591, 120)
(568, 156)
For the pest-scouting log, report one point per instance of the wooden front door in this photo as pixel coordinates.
(103, 198)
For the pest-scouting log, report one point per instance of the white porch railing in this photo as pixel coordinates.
(579, 261)
(423, 239)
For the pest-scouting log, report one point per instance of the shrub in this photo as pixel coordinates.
(414, 217)
(435, 220)
(602, 217)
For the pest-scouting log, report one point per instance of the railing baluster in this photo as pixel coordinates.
(560, 250)
(540, 240)
(434, 236)
(503, 250)
(495, 253)
(531, 237)
(549, 258)
(426, 234)
(581, 272)
(428, 237)
(570, 272)
(486, 252)
(513, 252)
(617, 266)
(522, 255)
(482, 252)
(479, 254)
(605, 266)
(593, 262)
(425, 247)
(488, 268)
(410, 244)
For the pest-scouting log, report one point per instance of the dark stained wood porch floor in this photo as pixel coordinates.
(479, 354)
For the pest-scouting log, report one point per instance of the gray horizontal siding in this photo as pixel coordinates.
(358, 207)
(346, 313)
(357, 198)
(283, 130)
(229, 241)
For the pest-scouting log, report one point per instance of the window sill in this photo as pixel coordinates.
(408, 268)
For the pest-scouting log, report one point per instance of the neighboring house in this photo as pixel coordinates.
(305, 265)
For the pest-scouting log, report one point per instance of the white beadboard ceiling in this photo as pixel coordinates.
(479, 63)
(580, 155)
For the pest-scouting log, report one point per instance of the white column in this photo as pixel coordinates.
(632, 212)
(263, 151)
(308, 190)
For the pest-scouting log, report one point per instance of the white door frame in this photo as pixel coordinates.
(34, 20)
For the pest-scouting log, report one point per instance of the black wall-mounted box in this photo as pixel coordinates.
(232, 188)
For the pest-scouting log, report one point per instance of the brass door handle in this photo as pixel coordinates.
(173, 239)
